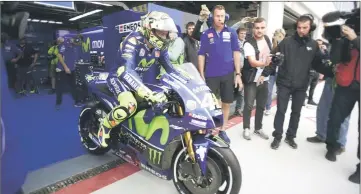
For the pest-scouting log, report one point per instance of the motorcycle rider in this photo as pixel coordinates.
(141, 49)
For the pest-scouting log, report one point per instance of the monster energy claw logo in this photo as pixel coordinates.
(154, 155)
(86, 45)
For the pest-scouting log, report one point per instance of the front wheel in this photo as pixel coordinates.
(223, 176)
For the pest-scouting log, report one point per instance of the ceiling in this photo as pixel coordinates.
(42, 12)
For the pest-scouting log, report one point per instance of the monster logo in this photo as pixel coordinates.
(86, 45)
(147, 130)
(154, 155)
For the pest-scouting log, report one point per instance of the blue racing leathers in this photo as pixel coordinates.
(135, 58)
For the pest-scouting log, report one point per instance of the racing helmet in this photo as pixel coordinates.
(157, 21)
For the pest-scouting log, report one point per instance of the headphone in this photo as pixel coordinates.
(226, 18)
(309, 17)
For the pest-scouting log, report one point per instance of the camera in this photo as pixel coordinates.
(13, 23)
(277, 59)
(334, 20)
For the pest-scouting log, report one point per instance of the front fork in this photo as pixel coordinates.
(197, 149)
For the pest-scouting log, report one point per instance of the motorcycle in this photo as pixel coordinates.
(173, 140)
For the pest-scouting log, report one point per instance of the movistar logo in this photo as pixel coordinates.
(86, 45)
(147, 130)
(145, 63)
(154, 155)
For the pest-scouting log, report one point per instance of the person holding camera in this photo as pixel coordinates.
(347, 93)
(301, 53)
(256, 71)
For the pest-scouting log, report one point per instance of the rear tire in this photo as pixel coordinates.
(220, 160)
(89, 123)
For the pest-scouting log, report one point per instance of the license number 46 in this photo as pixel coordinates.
(210, 101)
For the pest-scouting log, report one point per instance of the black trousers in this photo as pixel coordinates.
(65, 81)
(312, 83)
(342, 105)
(11, 73)
(251, 93)
(283, 96)
(24, 76)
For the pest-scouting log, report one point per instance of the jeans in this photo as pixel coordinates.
(271, 84)
(240, 101)
(283, 96)
(259, 93)
(323, 111)
(343, 102)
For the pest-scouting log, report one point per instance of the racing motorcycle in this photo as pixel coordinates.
(172, 140)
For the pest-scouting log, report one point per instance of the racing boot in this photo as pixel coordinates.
(103, 135)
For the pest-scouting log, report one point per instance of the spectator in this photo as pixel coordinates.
(241, 32)
(65, 75)
(191, 47)
(323, 108)
(26, 64)
(256, 71)
(220, 44)
(278, 36)
(292, 78)
(347, 93)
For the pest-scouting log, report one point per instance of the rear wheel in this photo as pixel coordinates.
(89, 121)
(223, 176)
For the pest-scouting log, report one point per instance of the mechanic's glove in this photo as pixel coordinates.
(157, 98)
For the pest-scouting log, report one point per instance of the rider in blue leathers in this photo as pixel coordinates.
(138, 52)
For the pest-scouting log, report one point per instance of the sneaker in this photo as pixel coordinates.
(315, 139)
(355, 177)
(311, 102)
(340, 151)
(261, 133)
(103, 135)
(291, 142)
(222, 134)
(331, 156)
(275, 144)
(247, 134)
(267, 112)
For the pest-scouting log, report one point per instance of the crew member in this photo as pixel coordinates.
(301, 54)
(220, 44)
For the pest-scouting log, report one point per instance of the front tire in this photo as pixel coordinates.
(220, 161)
(89, 123)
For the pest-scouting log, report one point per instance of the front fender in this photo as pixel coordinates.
(201, 145)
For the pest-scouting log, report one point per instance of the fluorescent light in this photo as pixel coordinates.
(59, 22)
(35, 20)
(84, 15)
(44, 21)
(98, 3)
(29, 19)
(51, 22)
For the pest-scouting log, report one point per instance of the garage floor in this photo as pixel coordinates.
(265, 171)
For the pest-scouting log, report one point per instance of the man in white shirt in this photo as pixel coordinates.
(256, 71)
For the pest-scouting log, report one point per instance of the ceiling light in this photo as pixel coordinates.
(29, 19)
(84, 15)
(51, 22)
(98, 3)
(59, 22)
(35, 20)
(44, 21)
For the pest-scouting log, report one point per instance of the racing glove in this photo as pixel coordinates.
(157, 97)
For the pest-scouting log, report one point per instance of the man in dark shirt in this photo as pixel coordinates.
(10, 53)
(28, 57)
(191, 46)
(301, 54)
